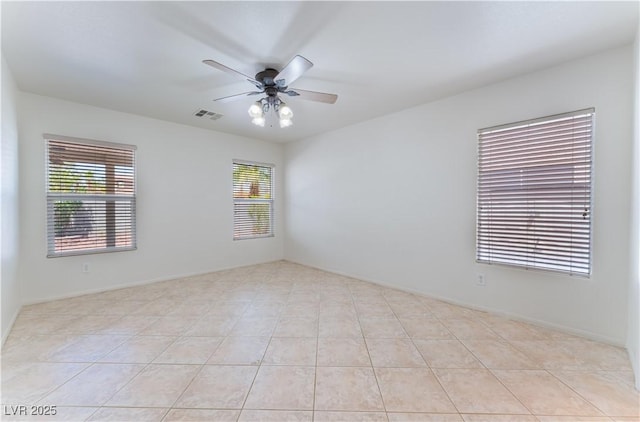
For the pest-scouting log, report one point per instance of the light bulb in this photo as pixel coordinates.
(255, 111)
(258, 121)
(285, 112)
(286, 122)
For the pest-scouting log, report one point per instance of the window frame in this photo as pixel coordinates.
(576, 263)
(51, 197)
(249, 201)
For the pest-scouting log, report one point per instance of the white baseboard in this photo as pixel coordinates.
(635, 365)
(5, 334)
(137, 283)
(517, 317)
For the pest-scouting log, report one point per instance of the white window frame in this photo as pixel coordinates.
(535, 193)
(52, 197)
(238, 203)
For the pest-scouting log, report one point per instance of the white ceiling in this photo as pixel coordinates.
(379, 57)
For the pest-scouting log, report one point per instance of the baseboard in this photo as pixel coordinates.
(138, 283)
(5, 335)
(516, 317)
(635, 362)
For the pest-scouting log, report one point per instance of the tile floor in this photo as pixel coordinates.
(283, 342)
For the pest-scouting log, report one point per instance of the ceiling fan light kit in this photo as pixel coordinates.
(270, 82)
(258, 110)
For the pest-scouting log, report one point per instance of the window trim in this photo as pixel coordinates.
(99, 197)
(271, 201)
(538, 266)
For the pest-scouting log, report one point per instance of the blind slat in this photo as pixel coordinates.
(534, 193)
(252, 200)
(91, 197)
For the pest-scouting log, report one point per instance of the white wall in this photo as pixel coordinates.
(184, 205)
(393, 200)
(9, 289)
(633, 329)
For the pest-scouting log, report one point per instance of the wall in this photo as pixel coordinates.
(633, 336)
(184, 205)
(392, 200)
(9, 289)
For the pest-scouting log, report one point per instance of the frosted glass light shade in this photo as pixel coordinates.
(255, 111)
(285, 112)
(286, 122)
(258, 121)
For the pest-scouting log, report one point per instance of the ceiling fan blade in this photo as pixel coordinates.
(236, 96)
(313, 96)
(292, 71)
(224, 68)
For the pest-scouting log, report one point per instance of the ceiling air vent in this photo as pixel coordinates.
(208, 114)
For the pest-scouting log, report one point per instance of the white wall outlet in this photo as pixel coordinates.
(480, 280)
(85, 267)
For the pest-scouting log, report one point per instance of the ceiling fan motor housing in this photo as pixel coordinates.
(271, 89)
(267, 77)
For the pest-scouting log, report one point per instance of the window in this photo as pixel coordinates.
(534, 193)
(91, 196)
(252, 200)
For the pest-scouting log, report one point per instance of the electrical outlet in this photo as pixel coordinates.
(480, 280)
(85, 267)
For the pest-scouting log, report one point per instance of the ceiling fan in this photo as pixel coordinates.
(270, 83)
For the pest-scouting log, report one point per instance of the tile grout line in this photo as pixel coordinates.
(485, 368)
(578, 394)
(248, 283)
(315, 369)
(435, 376)
(244, 402)
(366, 345)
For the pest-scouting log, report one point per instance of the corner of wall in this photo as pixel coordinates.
(633, 324)
(9, 216)
(426, 242)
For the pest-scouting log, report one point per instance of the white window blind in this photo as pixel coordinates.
(91, 196)
(252, 200)
(534, 193)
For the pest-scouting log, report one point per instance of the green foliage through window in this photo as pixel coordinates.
(90, 196)
(253, 200)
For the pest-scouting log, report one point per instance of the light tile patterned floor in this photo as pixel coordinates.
(283, 342)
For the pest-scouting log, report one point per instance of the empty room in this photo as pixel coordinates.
(320, 211)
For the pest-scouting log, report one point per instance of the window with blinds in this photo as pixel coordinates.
(91, 196)
(534, 193)
(252, 200)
